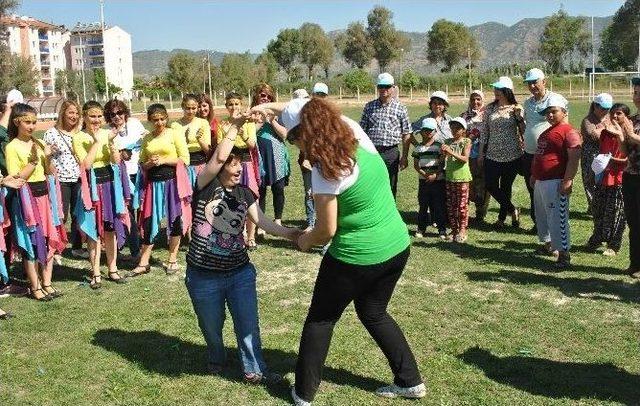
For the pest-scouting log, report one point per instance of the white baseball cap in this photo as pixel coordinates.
(534, 75)
(504, 82)
(429, 123)
(320, 88)
(15, 95)
(600, 163)
(300, 94)
(555, 100)
(291, 113)
(604, 100)
(385, 79)
(439, 94)
(460, 121)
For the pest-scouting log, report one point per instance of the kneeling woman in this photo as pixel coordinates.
(218, 267)
(36, 209)
(165, 189)
(102, 212)
(369, 244)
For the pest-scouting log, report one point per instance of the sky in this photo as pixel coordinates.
(238, 26)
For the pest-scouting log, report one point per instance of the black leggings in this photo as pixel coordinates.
(70, 192)
(370, 287)
(631, 196)
(277, 189)
(499, 178)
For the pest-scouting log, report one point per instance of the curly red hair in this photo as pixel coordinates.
(328, 140)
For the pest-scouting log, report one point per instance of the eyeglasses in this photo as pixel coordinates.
(385, 87)
(119, 113)
(264, 96)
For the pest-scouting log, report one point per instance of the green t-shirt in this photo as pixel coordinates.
(370, 229)
(456, 170)
(4, 140)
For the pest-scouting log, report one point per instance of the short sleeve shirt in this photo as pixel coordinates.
(501, 138)
(443, 131)
(428, 157)
(536, 123)
(130, 138)
(550, 160)
(385, 123)
(219, 216)
(64, 160)
(612, 174)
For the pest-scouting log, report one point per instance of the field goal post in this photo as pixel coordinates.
(596, 86)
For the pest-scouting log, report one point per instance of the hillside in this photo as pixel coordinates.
(500, 44)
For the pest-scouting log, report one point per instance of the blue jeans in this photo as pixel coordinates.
(308, 197)
(209, 291)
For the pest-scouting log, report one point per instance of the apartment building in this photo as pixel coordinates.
(46, 44)
(91, 49)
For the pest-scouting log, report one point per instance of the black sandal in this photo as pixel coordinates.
(55, 294)
(45, 298)
(134, 273)
(95, 283)
(120, 279)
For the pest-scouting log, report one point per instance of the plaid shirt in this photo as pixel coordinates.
(385, 123)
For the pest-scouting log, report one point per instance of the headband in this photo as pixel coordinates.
(157, 115)
(27, 117)
(94, 110)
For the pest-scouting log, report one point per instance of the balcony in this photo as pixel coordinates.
(47, 88)
(96, 53)
(45, 63)
(43, 37)
(96, 64)
(44, 50)
(93, 41)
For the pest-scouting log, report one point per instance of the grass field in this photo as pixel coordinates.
(488, 324)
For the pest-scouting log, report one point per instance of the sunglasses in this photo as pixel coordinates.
(264, 96)
(119, 113)
(384, 86)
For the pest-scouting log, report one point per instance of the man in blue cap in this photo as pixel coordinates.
(386, 122)
(535, 124)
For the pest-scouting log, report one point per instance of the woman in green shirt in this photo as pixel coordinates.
(369, 248)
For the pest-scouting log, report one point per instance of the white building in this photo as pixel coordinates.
(46, 44)
(91, 50)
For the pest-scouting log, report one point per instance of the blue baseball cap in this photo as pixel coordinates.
(504, 82)
(534, 75)
(604, 100)
(385, 79)
(429, 123)
(320, 88)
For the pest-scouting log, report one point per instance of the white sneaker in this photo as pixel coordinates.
(393, 390)
(298, 401)
(80, 253)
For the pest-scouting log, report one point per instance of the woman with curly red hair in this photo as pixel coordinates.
(369, 243)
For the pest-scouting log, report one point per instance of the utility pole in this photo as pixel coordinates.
(469, 66)
(82, 56)
(592, 77)
(106, 82)
(209, 70)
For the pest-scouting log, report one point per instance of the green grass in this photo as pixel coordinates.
(487, 323)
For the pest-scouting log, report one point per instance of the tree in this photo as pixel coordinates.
(388, 44)
(619, 47)
(99, 83)
(266, 67)
(316, 47)
(6, 6)
(563, 37)
(327, 54)
(357, 79)
(238, 72)
(185, 73)
(285, 49)
(21, 74)
(450, 43)
(409, 79)
(355, 46)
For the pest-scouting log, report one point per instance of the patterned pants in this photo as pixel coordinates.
(588, 177)
(458, 207)
(608, 216)
(552, 214)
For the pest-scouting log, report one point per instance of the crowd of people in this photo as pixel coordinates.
(99, 171)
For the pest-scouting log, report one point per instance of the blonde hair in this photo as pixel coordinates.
(63, 110)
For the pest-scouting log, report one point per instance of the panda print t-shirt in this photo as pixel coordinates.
(219, 215)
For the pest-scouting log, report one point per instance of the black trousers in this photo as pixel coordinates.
(370, 288)
(391, 158)
(277, 189)
(432, 201)
(526, 161)
(631, 197)
(70, 192)
(499, 178)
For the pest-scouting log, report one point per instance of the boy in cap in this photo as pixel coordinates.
(431, 184)
(554, 166)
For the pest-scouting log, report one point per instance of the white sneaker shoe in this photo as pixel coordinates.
(298, 401)
(392, 391)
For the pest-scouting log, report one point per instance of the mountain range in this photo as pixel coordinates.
(500, 44)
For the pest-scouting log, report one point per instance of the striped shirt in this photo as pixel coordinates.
(428, 157)
(219, 215)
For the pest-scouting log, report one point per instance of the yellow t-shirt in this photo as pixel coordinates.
(82, 143)
(170, 144)
(17, 154)
(249, 133)
(191, 130)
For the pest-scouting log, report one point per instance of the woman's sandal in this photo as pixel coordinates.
(45, 298)
(251, 244)
(119, 280)
(135, 272)
(171, 267)
(95, 282)
(55, 294)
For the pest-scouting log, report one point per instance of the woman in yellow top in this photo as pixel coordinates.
(101, 211)
(36, 209)
(246, 142)
(197, 133)
(166, 190)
